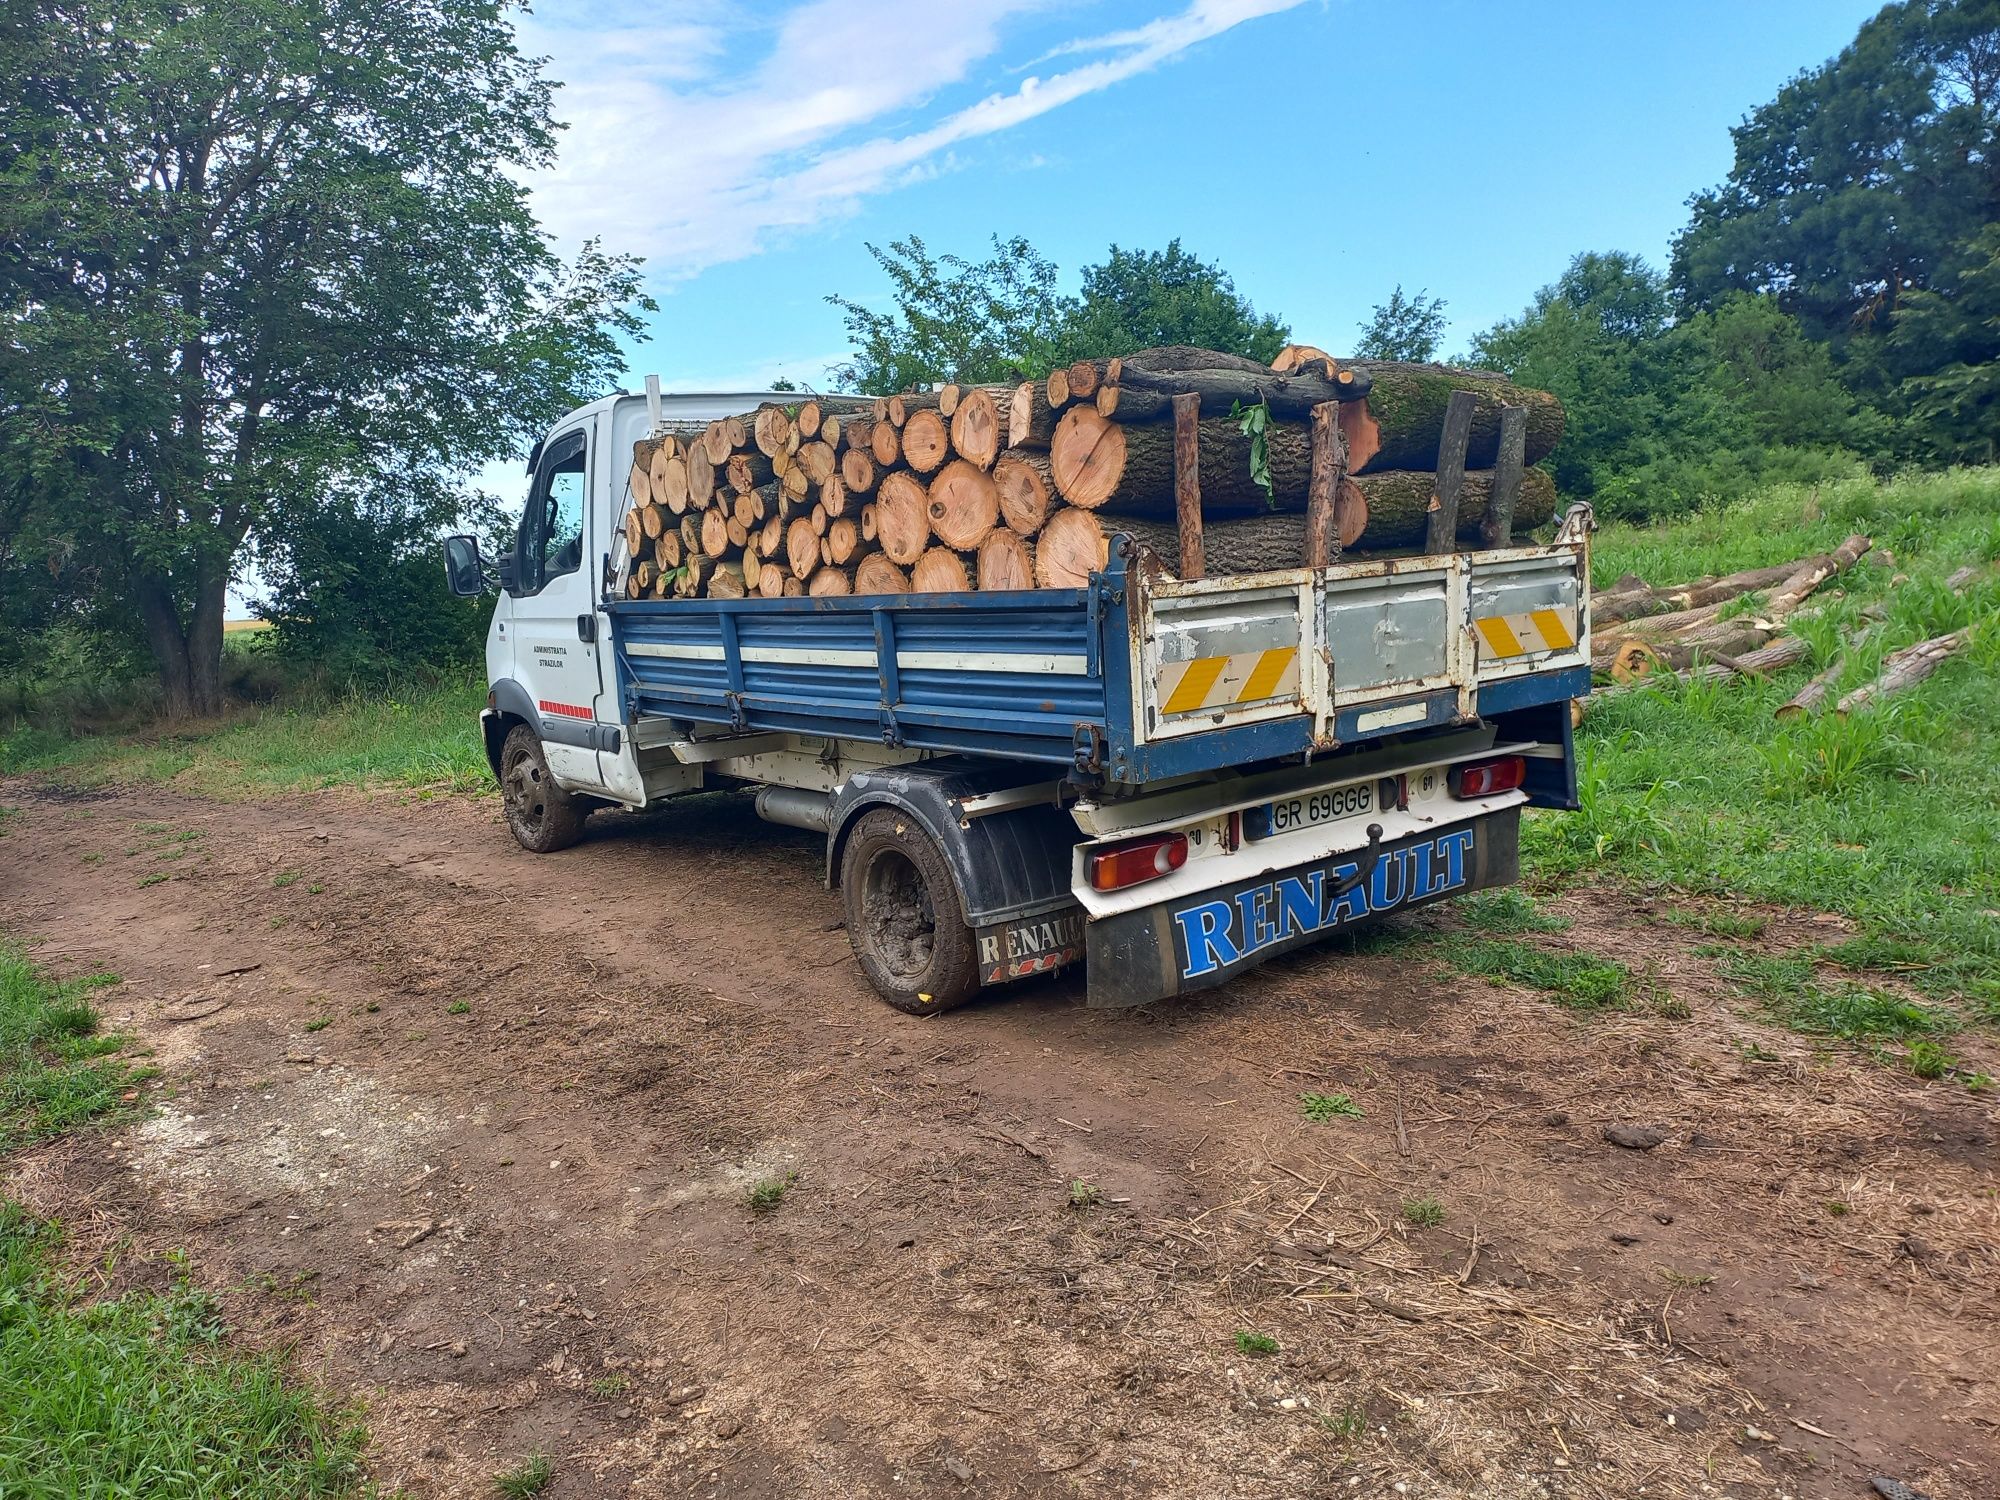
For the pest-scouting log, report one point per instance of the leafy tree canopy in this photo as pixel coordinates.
(1002, 318)
(264, 256)
(1403, 328)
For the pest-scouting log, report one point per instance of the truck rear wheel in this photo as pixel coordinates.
(903, 915)
(543, 817)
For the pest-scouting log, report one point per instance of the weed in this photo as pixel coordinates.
(458, 1007)
(1083, 1194)
(765, 1197)
(528, 1477)
(1929, 1060)
(1573, 979)
(607, 1386)
(315, 889)
(155, 878)
(56, 1069)
(95, 857)
(1256, 1345)
(1671, 1007)
(1835, 1208)
(319, 1023)
(1728, 924)
(1507, 910)
(1758, 1052)
(1320, 1108)
(288, 877)
(1425, 1212)
(1348, 1423)
(1685, 1280)
(1793, 995)
(1831, 755)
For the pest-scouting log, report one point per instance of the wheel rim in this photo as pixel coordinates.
(527, 794)
(901, 924)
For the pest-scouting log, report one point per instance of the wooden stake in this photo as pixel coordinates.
(1443, 532)
(1497, 530)
(1187, 485)
(1329, 468)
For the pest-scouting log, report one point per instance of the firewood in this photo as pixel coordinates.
(1031, 421)
(1082, 380)
(714, 532)
(794, 589)
(726, 582)
(868, 522)
(802, 547)
(1292, 356)
(737, 532)
(902, 517)
(771, 536)
(898, 411)
(857, 470)
(652, 520)
(926, 441)
(715, 443)
(1022, 480)
(818, 517)
(829, 582)
(939, 571)
(641, 483)
(771, 581)
(964, 505)
(700, 479)
(746, 508)
(1056, 388)
(807, 419)
(833, 495)
(875, 574)
(772, 430)
(843, 540)
(947, 400)
(690, 530)
(667, 549)
(646, 572)
(885, 444)
(748, 469)
(817, 460)
(1006, 561)
(975, 428)
(635, 531)
(1071, 547)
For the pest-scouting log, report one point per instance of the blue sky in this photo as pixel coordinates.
(1321, 150)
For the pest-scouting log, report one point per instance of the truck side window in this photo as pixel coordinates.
(551, 536)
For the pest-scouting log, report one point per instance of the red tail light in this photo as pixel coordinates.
(1483, 778)
(1144, 859)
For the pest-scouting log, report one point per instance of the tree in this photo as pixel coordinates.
(1403, 328)
(1952, 335)
(954, 319)
(265, 257)
(1863, 178)
(1139, 299)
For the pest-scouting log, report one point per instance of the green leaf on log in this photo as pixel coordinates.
(1255, 421)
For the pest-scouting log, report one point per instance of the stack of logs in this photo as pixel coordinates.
(1001, 487)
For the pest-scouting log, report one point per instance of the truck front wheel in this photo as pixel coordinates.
(903, 915)
(543, 817)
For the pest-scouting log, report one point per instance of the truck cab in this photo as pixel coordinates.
(1168, 781)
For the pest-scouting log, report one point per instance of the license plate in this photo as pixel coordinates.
(1309, 810)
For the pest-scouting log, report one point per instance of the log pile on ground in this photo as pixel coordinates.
(1023, 486)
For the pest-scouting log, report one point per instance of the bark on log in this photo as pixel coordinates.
(1006, 561)
(939, 571)
(1191, 559)
(1808, 699)
(1022, 478)
(1904, 669)
(902, 517)
(877, 575)
(964, 505)
(1072, 546)
(975, 427)
(1291, 397)
(1398, 424)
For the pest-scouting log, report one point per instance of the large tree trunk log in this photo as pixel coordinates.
(964, 505)
(1022, 478)
(1398, 425)
(1394, 508)
(940, 571)
(1006, 561)
(1071, 547)
(875, 574)
(902, 517)
(976, 425)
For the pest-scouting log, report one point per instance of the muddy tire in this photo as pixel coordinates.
(903, 915)
(543, 817)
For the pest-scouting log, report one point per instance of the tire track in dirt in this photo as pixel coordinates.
(521, 1224)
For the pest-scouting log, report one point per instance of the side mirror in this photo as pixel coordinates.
(464, 569)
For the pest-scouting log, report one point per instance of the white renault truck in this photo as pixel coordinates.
(1166, 781)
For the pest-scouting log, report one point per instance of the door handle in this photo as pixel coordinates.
(586, 627)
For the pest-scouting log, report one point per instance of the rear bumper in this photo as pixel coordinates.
(1196, 941)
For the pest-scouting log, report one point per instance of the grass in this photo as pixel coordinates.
(528, 1477)
(1321, 1108)
(1576, 980)
(458, 1007)
(1509, 910)
(1425, 1212)
(416, 735)
(57, 1069)
(1884, 817)
(1083, 1195)
(1256, 1345)
(766, 1196)
(136, 1394)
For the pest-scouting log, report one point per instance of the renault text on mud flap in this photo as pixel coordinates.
(1030, 945)
(1216, 934)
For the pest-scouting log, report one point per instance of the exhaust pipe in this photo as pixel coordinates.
(796, 808)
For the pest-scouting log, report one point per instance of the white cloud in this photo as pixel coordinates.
(686, 151)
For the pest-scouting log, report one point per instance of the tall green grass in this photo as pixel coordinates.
(422, 735)
(1888, 816)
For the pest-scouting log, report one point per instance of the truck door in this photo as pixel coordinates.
(553, 609)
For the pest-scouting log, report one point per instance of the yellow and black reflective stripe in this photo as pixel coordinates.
(1211, 682)
(1526, 634)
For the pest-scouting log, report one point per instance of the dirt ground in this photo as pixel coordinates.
(501, 1195)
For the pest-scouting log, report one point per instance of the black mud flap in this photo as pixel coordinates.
(1204, 939)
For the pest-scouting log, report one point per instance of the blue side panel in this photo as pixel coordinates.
(1526, 692)
(857, 668)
